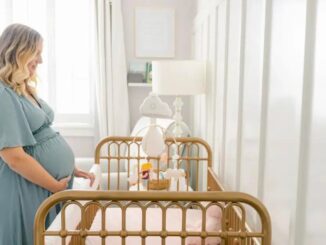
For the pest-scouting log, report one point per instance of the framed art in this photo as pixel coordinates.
(154, 32)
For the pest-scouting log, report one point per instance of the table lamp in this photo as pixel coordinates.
(178, 77)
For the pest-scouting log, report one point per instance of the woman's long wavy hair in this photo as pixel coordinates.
(18, 46)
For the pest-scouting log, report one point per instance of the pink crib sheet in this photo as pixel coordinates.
(154, 223)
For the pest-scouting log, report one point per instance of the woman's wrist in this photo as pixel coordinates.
(60, 185)
(54, 186)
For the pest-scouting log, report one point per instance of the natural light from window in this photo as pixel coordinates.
(72, 56)
(65, 75)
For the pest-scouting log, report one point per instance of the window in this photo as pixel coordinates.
(66, 72)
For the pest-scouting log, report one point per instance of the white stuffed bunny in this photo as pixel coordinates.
(176, 176)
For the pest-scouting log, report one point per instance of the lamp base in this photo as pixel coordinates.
(179, 124)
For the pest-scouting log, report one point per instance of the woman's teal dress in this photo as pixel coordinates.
(24, 124)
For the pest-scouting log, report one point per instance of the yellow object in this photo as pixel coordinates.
(146, 166)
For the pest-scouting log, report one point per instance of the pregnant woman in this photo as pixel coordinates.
(35, 161)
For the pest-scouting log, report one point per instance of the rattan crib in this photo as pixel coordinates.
(119, 153)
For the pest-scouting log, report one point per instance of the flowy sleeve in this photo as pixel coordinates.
(14, 127)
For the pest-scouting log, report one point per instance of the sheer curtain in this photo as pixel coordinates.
(111, 80)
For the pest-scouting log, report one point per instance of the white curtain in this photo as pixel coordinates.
(111, 90)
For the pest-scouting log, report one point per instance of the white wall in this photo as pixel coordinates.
(184, 13)
(265, 105)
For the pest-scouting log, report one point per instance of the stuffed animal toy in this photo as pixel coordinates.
(145, 170)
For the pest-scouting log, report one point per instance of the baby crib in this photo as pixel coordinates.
(152, 217)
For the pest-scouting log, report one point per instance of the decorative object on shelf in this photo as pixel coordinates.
(179, 77)
(154, 32)
(137, 72)
(148, 76)
(140, 72)
(135, 77)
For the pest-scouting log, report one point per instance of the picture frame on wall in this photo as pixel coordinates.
(154, 32)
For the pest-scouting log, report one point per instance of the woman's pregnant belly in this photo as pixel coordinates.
(55, 155)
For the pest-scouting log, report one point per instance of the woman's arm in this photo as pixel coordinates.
(25, 165)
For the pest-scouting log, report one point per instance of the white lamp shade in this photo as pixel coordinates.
(178, 77)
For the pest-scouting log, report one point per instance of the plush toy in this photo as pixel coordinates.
(145, 170)
(177, 176)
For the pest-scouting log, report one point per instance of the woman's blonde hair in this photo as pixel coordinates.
(18, 46)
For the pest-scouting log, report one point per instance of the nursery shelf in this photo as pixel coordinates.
(146, 85)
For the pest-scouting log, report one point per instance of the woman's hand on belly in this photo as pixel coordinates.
(86, 175)
(62, 184)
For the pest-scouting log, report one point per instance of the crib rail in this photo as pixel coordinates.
(121, 154)
(185, 200)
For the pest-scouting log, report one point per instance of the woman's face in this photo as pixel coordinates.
(32, 65)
